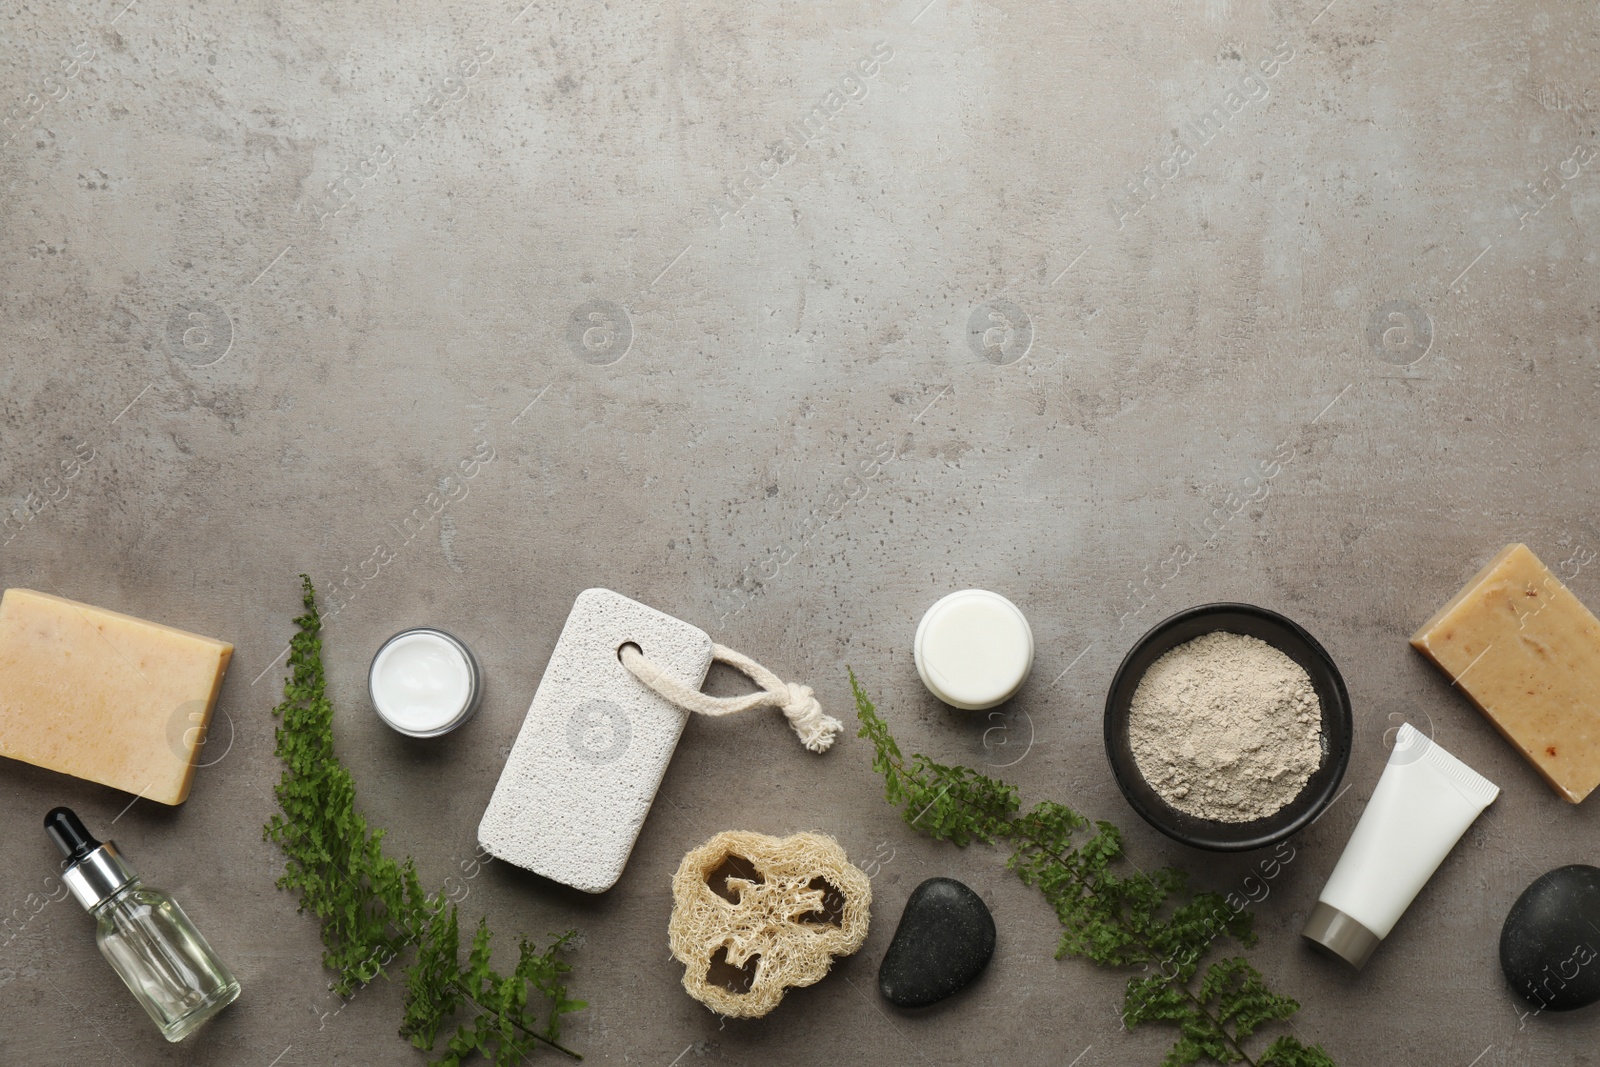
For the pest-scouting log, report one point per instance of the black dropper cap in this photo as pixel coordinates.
(69, 834)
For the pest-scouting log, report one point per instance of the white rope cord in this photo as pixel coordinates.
(799, 705)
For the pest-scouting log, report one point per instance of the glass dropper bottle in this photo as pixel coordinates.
(147, 938)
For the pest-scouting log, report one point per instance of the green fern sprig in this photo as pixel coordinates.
(373, 908)
(1152, 921)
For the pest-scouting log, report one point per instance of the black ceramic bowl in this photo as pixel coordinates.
(1292, 641)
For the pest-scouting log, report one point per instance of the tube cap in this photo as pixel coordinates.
(1339, 935)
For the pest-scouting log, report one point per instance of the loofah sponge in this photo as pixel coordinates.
(753, 915)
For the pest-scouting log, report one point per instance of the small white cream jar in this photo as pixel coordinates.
(973, 649)
(424, 682)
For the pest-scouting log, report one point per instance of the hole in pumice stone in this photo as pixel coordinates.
(628, 644)
(733, 979)
(732, 866)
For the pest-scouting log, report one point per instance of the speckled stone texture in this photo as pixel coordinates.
(589, 758)
(465, 308)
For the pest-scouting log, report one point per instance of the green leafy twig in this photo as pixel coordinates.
(436, 987)
(373, 908)
(1150, 921)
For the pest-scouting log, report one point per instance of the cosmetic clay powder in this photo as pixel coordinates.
(1226, 727)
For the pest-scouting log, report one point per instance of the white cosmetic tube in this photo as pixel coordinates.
(1424, 802)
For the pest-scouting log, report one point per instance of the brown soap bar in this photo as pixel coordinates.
(105, 696)
(1527, 652)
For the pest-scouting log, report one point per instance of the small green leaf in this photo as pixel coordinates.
(1286, 1051)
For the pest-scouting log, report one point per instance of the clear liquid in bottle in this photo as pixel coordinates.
(163, 959)
(143, 933)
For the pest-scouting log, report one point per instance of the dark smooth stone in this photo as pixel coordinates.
(1550, 944)
(945, 938)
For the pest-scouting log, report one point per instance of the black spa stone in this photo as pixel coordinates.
(945, 938)
(1550, 944)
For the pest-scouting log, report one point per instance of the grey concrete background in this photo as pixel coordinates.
(1383, 271)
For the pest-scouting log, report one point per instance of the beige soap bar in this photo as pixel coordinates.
(1527, 652)
(104, 696)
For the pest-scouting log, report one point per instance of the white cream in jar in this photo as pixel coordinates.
(424, 682)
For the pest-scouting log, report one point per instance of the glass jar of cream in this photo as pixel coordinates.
(424, 682)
